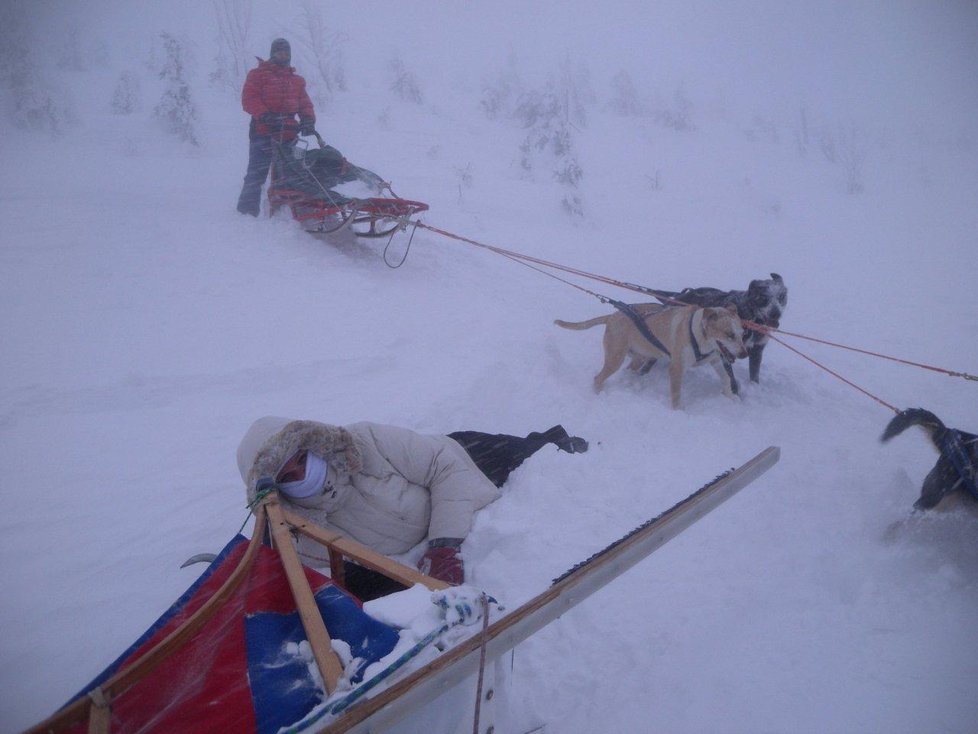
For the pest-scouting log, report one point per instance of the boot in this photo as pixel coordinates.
(560, 438)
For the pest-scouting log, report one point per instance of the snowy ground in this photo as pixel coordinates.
(145, 324)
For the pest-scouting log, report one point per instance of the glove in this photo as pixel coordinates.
(273, 120)
(443, 561)
(307, 127)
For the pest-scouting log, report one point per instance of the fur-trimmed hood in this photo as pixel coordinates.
(272, 440)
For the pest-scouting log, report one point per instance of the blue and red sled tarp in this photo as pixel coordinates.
(248, 668)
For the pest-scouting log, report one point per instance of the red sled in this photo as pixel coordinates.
(306, 181)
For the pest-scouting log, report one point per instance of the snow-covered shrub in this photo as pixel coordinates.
(176, 109)
(846, 146)
(677, 116)
(126, 97)
(499, 96)
(624, 96)
(852, 155)
(403, 82)
(32, 103)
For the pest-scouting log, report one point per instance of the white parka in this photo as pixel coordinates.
(387, 487)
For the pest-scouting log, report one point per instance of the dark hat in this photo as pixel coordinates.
(280, 44)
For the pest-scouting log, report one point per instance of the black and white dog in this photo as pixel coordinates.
(763, 302)
(952, 481)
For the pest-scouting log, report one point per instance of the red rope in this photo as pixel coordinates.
(759, 327)
(836, 375)
(517, 256)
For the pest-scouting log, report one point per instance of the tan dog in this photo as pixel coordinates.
(689, 336)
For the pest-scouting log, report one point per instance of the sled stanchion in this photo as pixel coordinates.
(366, 557)
(99, 713)
(312, 621)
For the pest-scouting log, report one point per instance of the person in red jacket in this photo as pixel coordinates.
(273, 95)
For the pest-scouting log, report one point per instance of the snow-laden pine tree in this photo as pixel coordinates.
(176, 109)
(551, 117)
(126, 95)
(625, 99)
(500, 95)
(403, 82)
(30, 102)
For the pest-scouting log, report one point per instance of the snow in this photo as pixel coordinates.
(145, 324)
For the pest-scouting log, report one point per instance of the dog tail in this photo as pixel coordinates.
(915, 417)
(667, 297)
(581, 325)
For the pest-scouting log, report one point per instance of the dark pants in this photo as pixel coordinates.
(259, 161)
(498, 454)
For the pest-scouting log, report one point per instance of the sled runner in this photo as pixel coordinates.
(252, 645)
(327, 194)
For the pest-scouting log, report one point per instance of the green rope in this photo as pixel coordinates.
(259, 497)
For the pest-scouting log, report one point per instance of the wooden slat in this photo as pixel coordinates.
(123, 679)
(312, 621)
(362, 554)
(99, 718)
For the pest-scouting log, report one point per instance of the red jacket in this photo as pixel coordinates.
(273, 88)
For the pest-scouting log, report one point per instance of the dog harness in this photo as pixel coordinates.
(697, 354)
(642, 327)
(952, 446)
(645, 331)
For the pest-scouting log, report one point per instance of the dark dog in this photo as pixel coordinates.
(952, 480)
(763, 302)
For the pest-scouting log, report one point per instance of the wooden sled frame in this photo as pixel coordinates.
(278, 523)
(383, 711)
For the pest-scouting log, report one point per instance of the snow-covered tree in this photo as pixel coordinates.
(126, 97)
(572, 84)
(403, 82)
(499, 96)
(678, 115)
(325, 49)
(31, 102)
(624, 96)
(176, 109)
(549, 142)
(233, 59)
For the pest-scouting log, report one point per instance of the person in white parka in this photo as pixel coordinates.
(389, 487)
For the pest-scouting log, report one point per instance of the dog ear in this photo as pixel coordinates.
(732, 308)
(777, 278)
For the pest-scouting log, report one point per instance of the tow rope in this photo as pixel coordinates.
(526, 259)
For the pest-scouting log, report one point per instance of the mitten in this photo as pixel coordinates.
(443, 560)
(272, 120)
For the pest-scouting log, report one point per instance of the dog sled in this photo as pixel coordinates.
(328, 195)
(260, 643)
